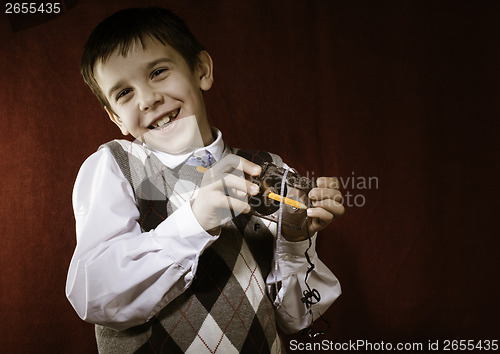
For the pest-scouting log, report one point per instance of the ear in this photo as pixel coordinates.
(115, 119)
(204, 69)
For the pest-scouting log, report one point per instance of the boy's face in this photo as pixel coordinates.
(156, 97)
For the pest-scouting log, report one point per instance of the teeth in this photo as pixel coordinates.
(162, 121)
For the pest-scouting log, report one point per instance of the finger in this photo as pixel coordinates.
(328, 182)
(236, 193)
(325, 193)
(330, 206)
(232, 162)
(320, 213)
(231, 207)
(250, 168)
(320, 218)
(230, 181)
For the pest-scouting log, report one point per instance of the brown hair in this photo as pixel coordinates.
(124, 28)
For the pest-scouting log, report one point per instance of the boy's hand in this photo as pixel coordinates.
(326, 199)
(224, 192)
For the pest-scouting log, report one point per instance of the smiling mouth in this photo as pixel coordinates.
(164, 121)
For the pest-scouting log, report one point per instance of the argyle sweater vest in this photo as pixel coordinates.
(226, 309)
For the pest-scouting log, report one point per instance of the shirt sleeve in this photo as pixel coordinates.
(287, 282)
(120, 276)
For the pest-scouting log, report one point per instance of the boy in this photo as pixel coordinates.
(169, 257)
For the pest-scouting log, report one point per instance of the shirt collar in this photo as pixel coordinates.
(216, 149)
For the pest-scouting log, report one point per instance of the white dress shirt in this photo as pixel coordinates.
(120, 277)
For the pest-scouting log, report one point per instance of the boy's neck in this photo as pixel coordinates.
(209, 138)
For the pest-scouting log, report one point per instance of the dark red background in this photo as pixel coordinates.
(404, 91)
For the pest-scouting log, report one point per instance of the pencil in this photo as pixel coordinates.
(286, 200)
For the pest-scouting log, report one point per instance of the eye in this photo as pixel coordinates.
(158, 72)
(123, 93)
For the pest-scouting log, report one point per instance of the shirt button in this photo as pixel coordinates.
(286, 257)
(80, 211)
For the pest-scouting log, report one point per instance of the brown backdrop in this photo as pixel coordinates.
(403, 92)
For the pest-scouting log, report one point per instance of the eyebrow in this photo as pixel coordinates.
(159, 60)
(149, 66)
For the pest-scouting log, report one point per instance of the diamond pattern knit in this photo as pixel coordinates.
(226, 309)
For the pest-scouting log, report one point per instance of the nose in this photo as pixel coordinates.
(148, 99)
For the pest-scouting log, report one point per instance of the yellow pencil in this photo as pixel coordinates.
(286, 200)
